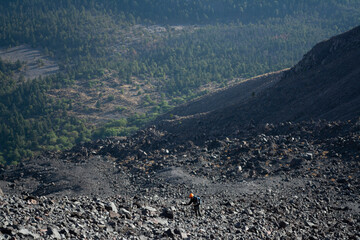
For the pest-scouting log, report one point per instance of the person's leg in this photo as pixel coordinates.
(194, 209)
(197, 210)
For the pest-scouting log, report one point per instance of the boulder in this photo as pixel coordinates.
(149, 211)
(296, 162)
(169, 233)
(168, 213)
(26, 233)
(111, 207)
(54, 233)
(125, 212)
(181, 232)
(113, 214)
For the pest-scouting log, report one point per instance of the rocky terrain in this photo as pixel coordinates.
(283, 181)
(257, 179)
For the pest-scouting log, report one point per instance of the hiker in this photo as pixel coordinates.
(196, 203)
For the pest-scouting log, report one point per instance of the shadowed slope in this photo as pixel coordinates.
(323, 85)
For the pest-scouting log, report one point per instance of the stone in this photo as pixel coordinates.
(125, 212)
(54, 233)
(26, 232)
(111, 206)
(113, 214)
(283, 224)
(310, 224)
(167, 213)
(149, 211)
(238, 225)
(181, 232)
(160, 221)
(309, 156)
(314, 202)
(169, 233)
(296, 162)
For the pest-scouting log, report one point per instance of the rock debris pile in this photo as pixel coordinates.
(286, 210)
(277, 181)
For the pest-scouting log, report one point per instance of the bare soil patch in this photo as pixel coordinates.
(35, 62)
(107, 98)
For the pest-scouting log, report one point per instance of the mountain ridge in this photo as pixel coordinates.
(309, 90)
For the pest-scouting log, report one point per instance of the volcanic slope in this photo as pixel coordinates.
(281, 181)
(323, 85)
(277, 180)
(236, 94)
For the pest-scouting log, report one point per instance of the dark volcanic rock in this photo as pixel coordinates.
(265, 185)
(168, 213)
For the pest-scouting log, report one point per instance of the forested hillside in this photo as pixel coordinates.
(173, 46)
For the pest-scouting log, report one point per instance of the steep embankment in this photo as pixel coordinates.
(233, 95)
(323, 85)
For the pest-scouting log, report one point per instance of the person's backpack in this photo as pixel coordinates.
(198, 200)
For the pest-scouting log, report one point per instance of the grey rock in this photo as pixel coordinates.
(283, 224)
(296, 162)
(125, 212)
(113, 214)
(309, 156)
(54, 233)
(310, 224)
(169, 233)
(160, 221)
(149, 211)
(317, 201)
(238, 225)
(181, 232)
(167, 213)
(111, 207)
(26, 232)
